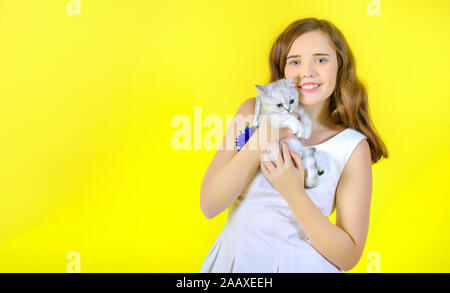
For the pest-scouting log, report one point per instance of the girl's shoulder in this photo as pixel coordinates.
(247, 107)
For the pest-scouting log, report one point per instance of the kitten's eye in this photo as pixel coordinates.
(279, 105)
(291, 102)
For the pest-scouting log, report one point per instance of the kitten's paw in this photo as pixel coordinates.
(307, 134)
(303, 133)
(320, 162)
(311, 181)
(300, 133)
(311, 177)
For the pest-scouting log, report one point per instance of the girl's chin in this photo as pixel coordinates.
(309, 100)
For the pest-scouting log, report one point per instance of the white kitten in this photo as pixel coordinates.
(276, 100)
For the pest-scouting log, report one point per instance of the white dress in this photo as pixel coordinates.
(262, 235)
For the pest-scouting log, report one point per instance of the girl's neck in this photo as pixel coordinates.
(319, 115)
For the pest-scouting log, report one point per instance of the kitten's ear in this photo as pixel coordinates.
(260, 89)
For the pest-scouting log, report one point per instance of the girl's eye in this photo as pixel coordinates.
(279, 105)
(291, 102)
(292, 62)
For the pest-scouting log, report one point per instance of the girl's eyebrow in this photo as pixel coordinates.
(315, 54)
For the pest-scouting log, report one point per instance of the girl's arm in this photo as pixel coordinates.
(343, 243)
(230, 171)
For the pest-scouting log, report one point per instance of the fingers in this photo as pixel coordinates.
(277, 152)
(264, 169)
(297, 159)
(283, 158)
(266, 163)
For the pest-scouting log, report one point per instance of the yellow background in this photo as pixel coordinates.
(87, 100)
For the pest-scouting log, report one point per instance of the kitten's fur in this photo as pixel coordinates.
(276, 100)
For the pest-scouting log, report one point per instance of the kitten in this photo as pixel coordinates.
(276, 100)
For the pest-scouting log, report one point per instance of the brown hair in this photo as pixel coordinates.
(348, 102)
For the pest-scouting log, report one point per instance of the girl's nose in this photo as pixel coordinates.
(307, 71)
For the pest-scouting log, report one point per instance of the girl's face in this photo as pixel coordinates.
(312, 59)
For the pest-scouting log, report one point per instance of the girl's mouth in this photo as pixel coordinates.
(309, 89)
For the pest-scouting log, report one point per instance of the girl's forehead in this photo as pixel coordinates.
(309, 43)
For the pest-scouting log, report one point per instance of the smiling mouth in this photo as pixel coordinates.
(310, 86)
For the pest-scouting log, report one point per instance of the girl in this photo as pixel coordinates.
(274, 224)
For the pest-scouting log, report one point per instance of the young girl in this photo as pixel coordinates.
(275, 224)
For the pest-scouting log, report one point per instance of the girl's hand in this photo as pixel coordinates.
(288, 176)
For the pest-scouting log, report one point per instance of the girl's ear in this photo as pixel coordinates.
(260, 89)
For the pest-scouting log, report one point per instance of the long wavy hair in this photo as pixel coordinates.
(348, 102)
